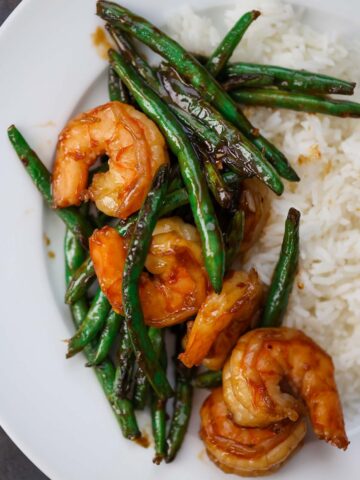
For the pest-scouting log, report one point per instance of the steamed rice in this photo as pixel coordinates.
(325, 151)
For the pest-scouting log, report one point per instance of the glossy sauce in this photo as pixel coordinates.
(101, 42)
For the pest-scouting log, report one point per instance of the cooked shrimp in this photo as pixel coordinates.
(175, 284)
(135, 148)
(221, 320)
(178, 283)
(246, 451)
(267, 361)
(255, 202)
(108, 253)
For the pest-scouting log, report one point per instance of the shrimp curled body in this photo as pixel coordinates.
(268, 361)
(135, 147)
(246, 451)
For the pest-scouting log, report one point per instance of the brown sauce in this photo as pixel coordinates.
(47, 240)
(101, 42)
(143, 441)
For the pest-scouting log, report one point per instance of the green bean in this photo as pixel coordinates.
(175, 181)
(141, 390)
(125, 361)
(208, 379)
(300, 102)
(232, 179)
(199, 199)
(182, 406)
(105, 372)
(174, 200)
(158, 422)
(203, 131)
(80, 282)
(288, 79)
(91, 326)
(247, 80)
(198, 76)
(284, 273)
(74, 255)
(122, 407)
(158, 405)
(225, 49)
(234, 237)
(134, 264)
(239, 154)
(107, 338)
(179, 197)
(117, 90)
(210, 161)
(217, 185)
(41, 177)
(133, 57)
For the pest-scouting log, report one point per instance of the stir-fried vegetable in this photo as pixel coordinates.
(301, 102)
(254, 75)
(107, 338)
(208, 379)
(158, 405)
(225, 49)
(237, 151)
(182, 406)
(125, 364)
(138, 248)
(284, 273)
(92, 324)
(117, 90)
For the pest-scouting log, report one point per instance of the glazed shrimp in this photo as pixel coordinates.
(135, 148)
(221, 320)
(175, 284)
(178, 283)
(246, 451)
(268, 360)
(108, 253)
(255, 203)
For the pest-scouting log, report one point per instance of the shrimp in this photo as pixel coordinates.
(255, 203)
(266, 365)
(246, 451)
(135, 147)
(175, 284)
(222, 318)
(108, 252)
(178, 283)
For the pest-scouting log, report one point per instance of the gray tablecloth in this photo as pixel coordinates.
(13, 463)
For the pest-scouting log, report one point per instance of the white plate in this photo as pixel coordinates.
(53, 409)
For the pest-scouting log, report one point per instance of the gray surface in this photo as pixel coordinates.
(13, 463)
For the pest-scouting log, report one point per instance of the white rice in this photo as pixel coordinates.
(325, 151)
